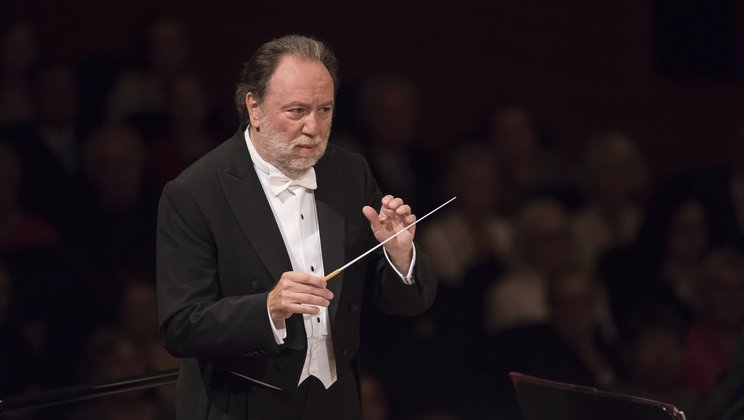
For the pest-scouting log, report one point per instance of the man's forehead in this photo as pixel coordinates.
(300, 74)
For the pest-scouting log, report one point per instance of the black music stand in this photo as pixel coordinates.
(541, 399)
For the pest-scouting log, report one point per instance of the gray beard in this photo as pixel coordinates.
(280, 155)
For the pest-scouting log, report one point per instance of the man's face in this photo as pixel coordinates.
(292, 124)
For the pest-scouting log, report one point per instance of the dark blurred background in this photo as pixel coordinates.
(596, 147)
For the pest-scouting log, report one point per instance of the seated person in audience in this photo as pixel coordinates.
(120, 228)
(49, 146)
(663, 265)
(527, 165)
(652, 360)
(543, 248)
(111, 355)
(719, 318)
(470, 231)
(614, 179)
(19, 229)
(568, 347)
(389, 117)
(142, 91)
(188, 135)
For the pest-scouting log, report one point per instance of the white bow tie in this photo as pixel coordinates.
(278, 182)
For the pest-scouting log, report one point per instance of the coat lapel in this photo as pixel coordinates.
(247, 201)
(252, 211)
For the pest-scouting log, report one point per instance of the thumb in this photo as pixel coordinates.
(371, 215)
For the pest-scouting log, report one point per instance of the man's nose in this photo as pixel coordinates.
(311, 125)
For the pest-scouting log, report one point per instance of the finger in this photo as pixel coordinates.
(296, 308)
(388, 210)
(306, 299)
(409, 219)
(287, 287)
(394, 203)
(386, 199)
(310, 290)
(403, 210)
(304, 278)
(371, 215)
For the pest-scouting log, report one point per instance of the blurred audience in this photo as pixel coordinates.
(111, 356)
(653, 359)
(188, 135)
(373, 397)
(528, 167)
(142, 91)
(388, 122)
(615, 179)
(662, 265)
(18, 54)
(567, 347)
(470, 231)
(731, 404)
(544, 248)
(120, 224)
(19, 229)
(718, 320)
(18, 371)
(138, 319)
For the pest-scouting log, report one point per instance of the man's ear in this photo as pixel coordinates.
(253, 110)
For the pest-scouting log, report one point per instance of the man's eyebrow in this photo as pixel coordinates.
(293, 104)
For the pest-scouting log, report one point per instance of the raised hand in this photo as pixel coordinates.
(394, 215)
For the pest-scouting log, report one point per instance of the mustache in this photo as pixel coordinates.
(308, 141)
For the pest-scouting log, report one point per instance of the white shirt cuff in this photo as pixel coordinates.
(407, 279)
(280, 333)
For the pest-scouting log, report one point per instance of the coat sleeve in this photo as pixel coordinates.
(391, 295)
(195, 319)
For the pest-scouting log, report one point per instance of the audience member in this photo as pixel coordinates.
(138, 320)
(543, 248)
(653, 357)
(615, 179)
(527, 166)
(469, 232)
(188, 135)
(567, 347)
(142, 91)
(719, 318)
(663, 263)
(110, 356)
(138, 316)
(18, 228)
(49, 146)
(388, 114)
(120, 227)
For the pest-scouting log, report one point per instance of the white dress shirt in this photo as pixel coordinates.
(296, 215)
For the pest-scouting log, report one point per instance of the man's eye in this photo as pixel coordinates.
(296, 111)
(326, 109)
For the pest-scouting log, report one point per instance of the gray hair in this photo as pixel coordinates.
(257, 71)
